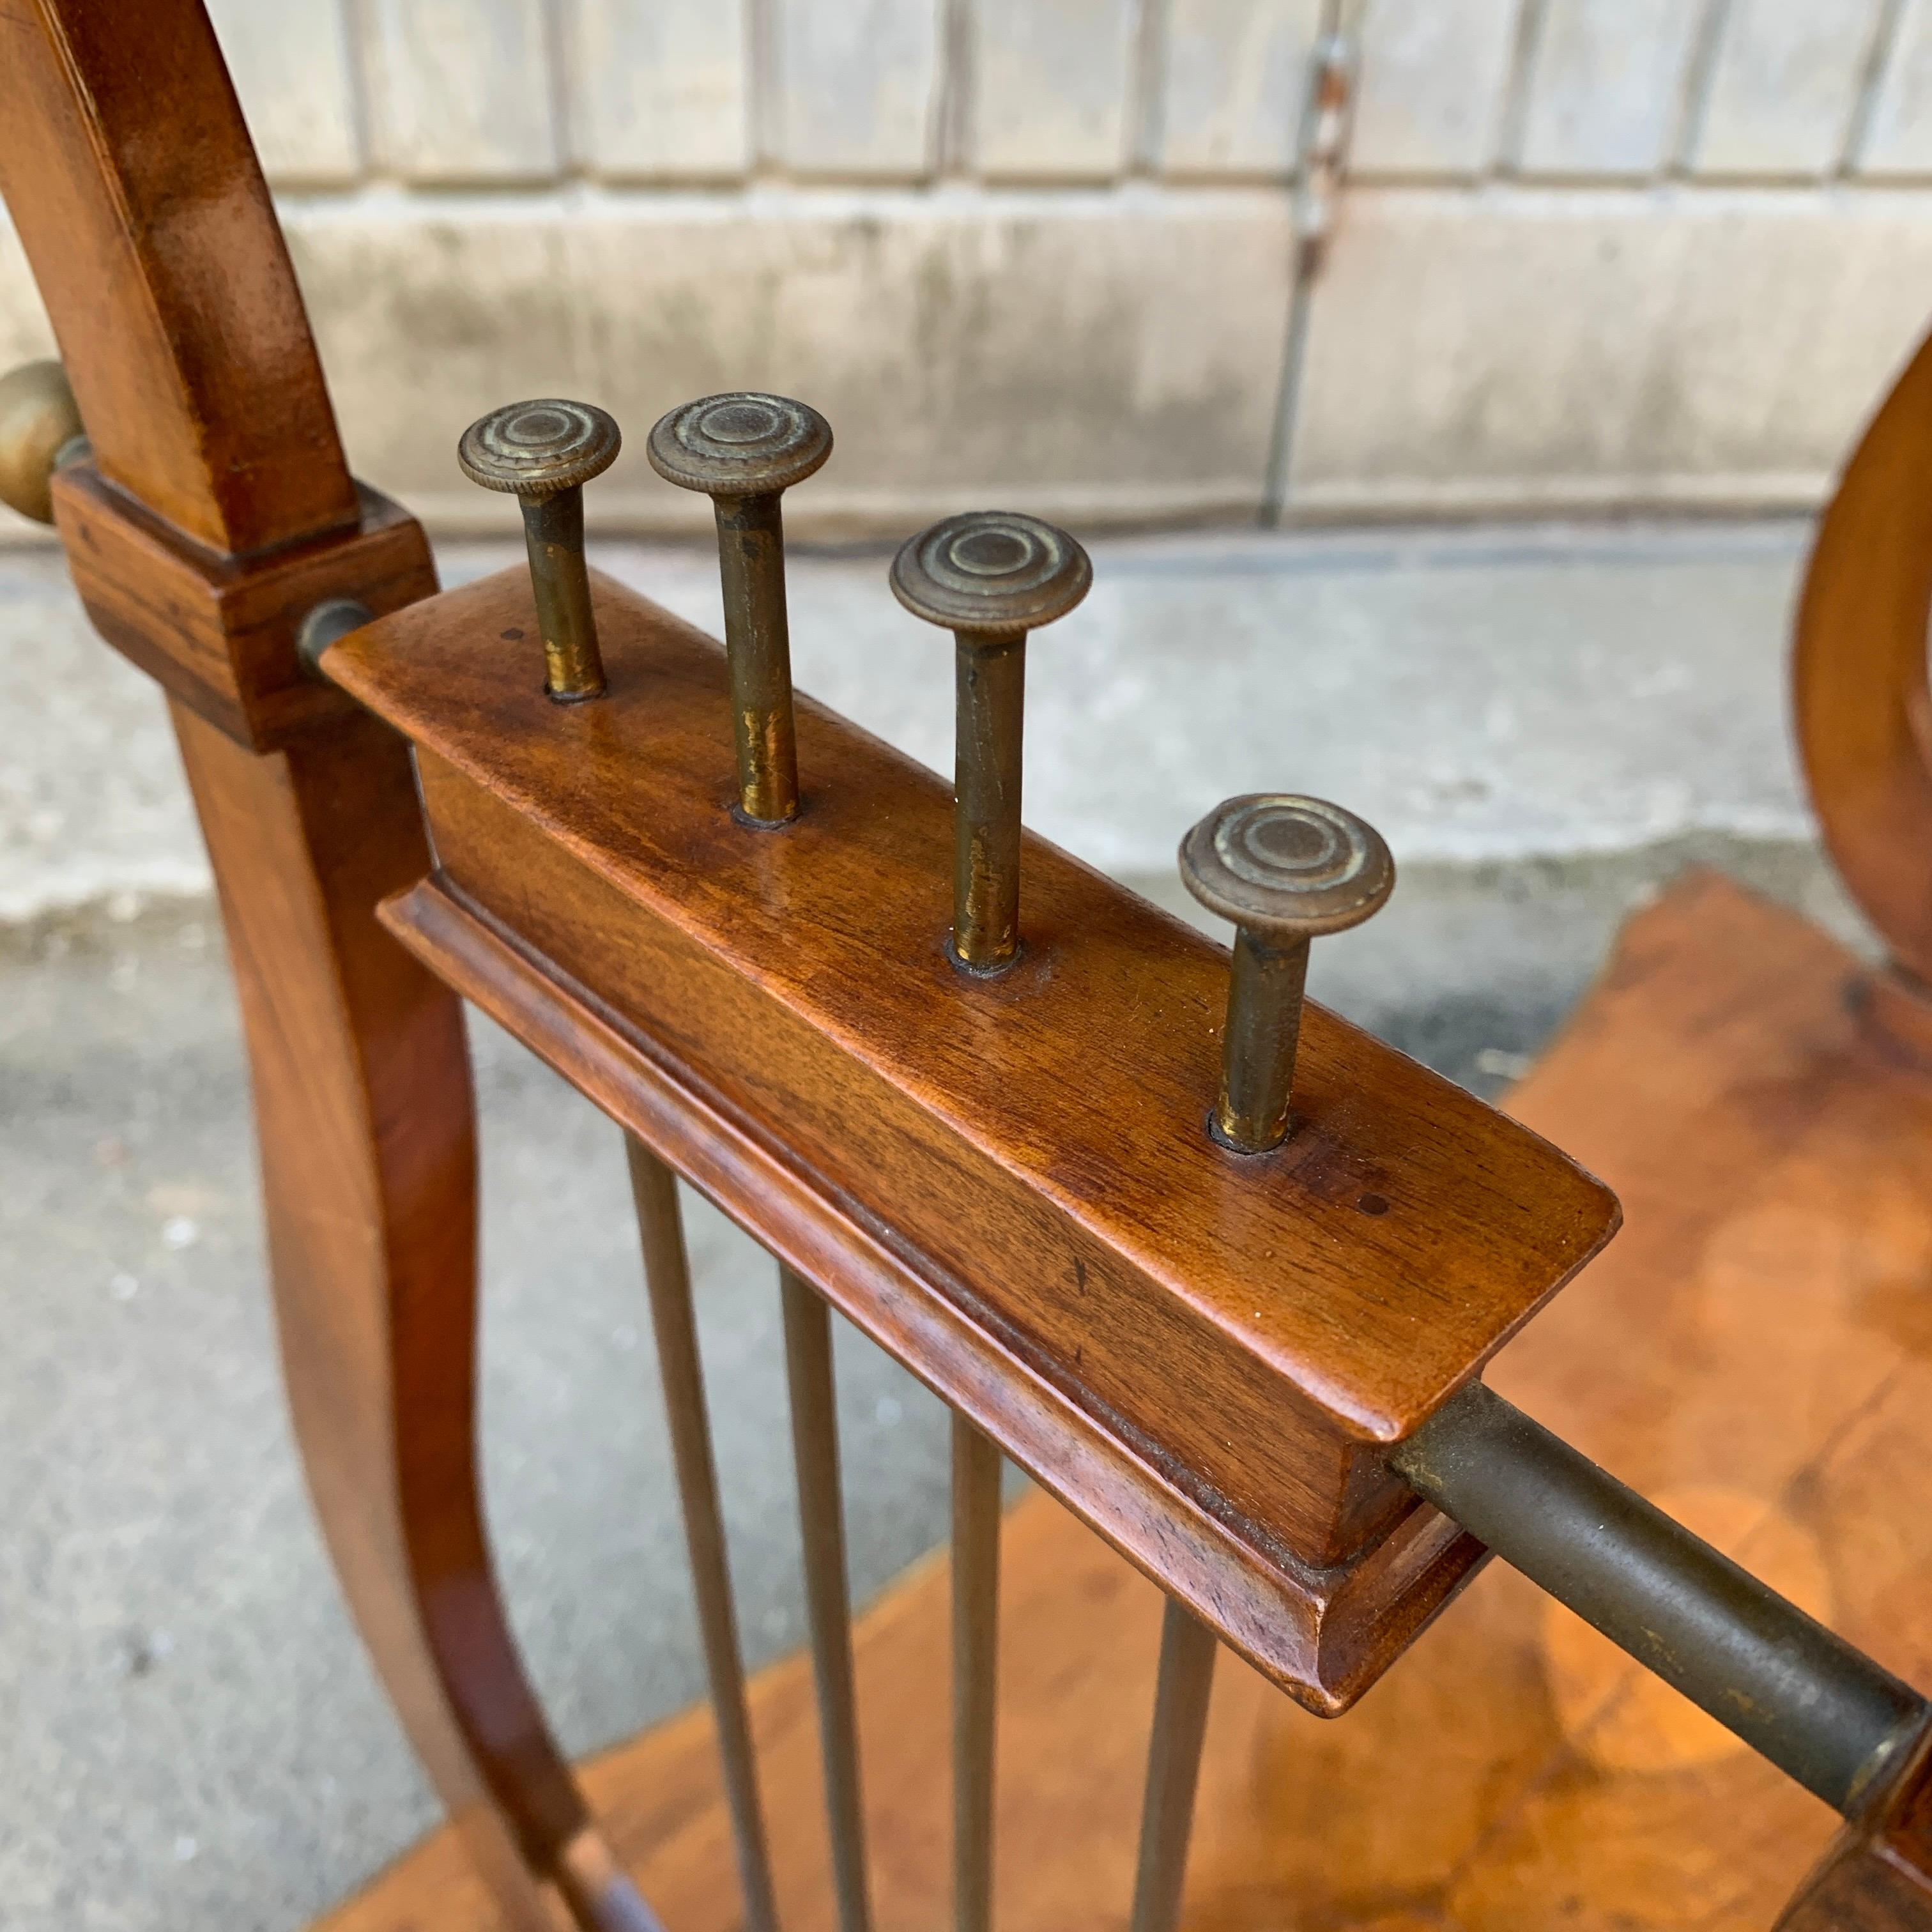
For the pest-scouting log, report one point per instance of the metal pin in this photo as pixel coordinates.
(744, 451)
(667, 1279)
(814, 1437)
(324, 624)
(1285, 869)
(543, 453)
(1822, 1711)
(39, 433)
(990, 577)
(975, 1622)
(1188, 1649)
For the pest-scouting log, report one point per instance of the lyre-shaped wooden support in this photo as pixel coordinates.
(216, 511)
(1245, 1361)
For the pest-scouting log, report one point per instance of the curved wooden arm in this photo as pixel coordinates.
(130, 177)
(129, 174)
(1863, 719)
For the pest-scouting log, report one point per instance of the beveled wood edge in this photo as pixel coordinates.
(1324, 1636)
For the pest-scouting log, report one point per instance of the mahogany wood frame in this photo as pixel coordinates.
(1008, 1184)
(216, 509)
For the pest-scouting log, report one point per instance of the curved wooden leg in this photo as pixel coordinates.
(364, 1115)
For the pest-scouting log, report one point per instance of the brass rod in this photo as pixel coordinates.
(757, 637)
(668, 1280)
(553, 537)
(976, 1609)
(1187, 1650)
(990, 719)
(814, 1437)
(1264, 996)
(1822, 1711)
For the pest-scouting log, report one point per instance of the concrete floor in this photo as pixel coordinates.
(191, 1736)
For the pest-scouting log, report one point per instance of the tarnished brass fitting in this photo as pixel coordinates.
(543, 453)
(744, 450)
(1285, 869)
(990, 577)
(40, 431)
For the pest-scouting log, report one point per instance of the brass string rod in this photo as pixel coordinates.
(814, 1434)
(1186, 1677)
(976, 1611)
(667, 1281)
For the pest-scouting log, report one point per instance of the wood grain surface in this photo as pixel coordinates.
(218, 633)
(1325, 1633)
(130, 180)
(1877, 1877)
(1755, 1352)
(1034, 1144)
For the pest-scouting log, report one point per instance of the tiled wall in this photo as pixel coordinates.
(1587, 251)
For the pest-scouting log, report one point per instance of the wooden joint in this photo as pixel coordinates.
(1877, 1875)
(1010, 1183)
(218, 632)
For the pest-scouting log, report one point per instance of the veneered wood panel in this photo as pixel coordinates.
(1777, 1168)
(801, 977)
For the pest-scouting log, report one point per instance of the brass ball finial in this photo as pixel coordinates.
(40, 430)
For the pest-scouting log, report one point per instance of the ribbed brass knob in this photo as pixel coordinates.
(1285, 869)
(744, 450)
(989, 577)
(543, 453)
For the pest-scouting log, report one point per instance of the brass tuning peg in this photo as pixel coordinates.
(1285, 869)
(744, 450)
(989, 577)
(543, 453)
(40, 431)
